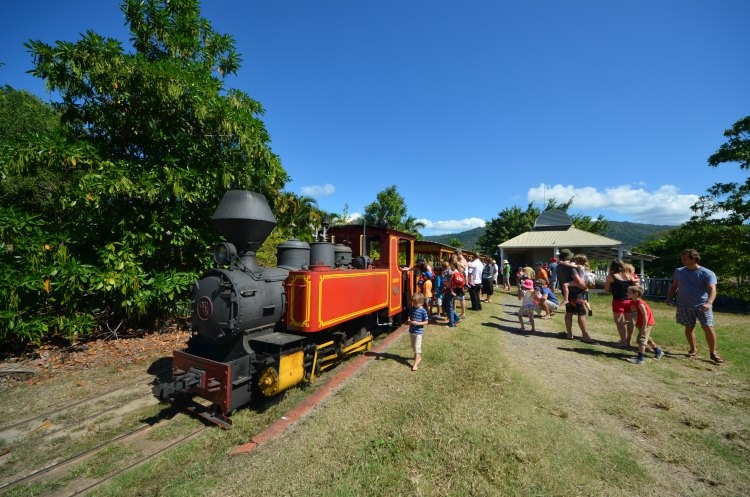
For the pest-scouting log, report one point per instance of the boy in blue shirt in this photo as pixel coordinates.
(417, 321)
(546, 301)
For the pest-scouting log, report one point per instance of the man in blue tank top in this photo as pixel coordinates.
(695, 287)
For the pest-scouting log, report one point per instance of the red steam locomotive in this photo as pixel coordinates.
(258, 331)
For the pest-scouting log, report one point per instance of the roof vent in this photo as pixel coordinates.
(553, 220)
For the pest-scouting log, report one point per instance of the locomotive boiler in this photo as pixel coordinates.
(257, 331)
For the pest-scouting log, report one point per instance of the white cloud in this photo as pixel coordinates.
(318, 190)
(666, 205)
(450, 226)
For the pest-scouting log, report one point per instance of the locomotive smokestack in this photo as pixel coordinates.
(245, 219)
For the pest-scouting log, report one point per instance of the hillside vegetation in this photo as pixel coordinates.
(630, 234)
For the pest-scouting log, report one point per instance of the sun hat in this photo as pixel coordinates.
(565, 254)
(527, 284)
(505, 261)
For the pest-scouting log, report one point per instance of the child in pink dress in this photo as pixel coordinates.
(528, 306)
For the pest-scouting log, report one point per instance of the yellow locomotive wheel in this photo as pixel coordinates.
(289, 371)
(268, 383)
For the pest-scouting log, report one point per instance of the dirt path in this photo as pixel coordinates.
(598, 390)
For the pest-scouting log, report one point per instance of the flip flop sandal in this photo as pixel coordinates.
(717, 359)
(692, 354)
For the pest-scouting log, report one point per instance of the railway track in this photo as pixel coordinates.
(137, 441)
(48, 451)
(70, 473)
(45, 421)
(102, 481)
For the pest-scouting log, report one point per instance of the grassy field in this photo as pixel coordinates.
(495, 412)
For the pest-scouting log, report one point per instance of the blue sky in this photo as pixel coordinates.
(472, 107)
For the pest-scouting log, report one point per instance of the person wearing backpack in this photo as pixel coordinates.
(449, 270)
(461, 268)
(458, 282)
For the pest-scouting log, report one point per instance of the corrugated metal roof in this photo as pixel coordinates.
(431, 243)
(569, 238)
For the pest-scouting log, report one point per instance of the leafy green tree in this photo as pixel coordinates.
(390, 209)
(729, 199)
(411, 225)
(340, 218)
(297, 215)
(153, 140)
(25, 118)
(723, 241)
(724, 248)
(23, 115)
(455, 242)
(600, 226)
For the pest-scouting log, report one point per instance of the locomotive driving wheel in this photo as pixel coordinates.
(268, 382)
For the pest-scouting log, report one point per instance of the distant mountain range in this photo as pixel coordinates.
(630, 234)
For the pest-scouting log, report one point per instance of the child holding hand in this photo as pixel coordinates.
(644, 322)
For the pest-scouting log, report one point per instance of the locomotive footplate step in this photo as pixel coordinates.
(205, 413)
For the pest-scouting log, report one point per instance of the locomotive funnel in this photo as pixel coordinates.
(244, 218)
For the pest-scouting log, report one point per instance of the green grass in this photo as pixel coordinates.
(466, 424)
(107, 461)
(493, 413)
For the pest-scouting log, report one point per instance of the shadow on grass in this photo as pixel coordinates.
(622, 355)
(513, 327)
(161, 368)
(168, 412)
(509, 328)
(388, 356)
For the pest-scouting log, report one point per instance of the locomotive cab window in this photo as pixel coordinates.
(374, 248)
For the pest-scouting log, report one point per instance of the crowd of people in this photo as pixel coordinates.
(441, 293)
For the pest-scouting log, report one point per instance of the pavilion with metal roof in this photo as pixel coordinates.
(553, 230)
(434, 252)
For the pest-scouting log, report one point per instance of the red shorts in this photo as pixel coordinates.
(621, 306)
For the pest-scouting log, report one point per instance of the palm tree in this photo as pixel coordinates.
(295, 214)
(411, 225)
